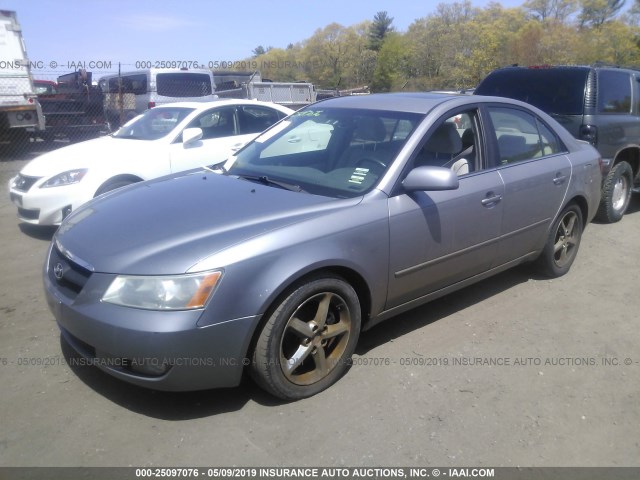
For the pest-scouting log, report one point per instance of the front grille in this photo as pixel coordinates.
(67, 274)
(28, 214)
(24, 182)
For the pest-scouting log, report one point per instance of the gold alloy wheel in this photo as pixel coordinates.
(315, 338)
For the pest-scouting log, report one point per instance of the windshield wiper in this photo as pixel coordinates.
(263, 179)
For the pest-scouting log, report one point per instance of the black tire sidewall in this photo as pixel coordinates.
(606, 212)
(108, 187)
(266, 368)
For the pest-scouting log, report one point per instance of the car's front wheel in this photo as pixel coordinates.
(307, 342)
(562, 244)
(112, 185)
(616, 193)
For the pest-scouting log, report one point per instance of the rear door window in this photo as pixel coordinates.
(136, 84)
(183, 84)
(614, 92)
(521, 136)
(255, 119)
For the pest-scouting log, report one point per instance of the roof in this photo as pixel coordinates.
(413, 102)
(221, 102)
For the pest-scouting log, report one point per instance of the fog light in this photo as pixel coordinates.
(152, 367)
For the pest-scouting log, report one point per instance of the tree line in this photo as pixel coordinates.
(458, 45)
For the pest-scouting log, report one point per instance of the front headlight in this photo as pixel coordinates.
(65, 178)
(175, 292)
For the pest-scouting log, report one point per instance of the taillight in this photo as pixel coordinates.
(151, 104)
(589, 133)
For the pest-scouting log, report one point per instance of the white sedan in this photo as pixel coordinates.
(166, 139)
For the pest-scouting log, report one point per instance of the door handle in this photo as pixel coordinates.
(491, 199)
(559, 179)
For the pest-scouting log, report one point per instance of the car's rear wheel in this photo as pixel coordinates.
(562, 244)
(307, 342)
(616, 193)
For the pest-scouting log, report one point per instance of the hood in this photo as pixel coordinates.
(86, 154)
(167, 225)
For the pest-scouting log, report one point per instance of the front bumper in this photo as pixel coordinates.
(154, 349)
(46, 206)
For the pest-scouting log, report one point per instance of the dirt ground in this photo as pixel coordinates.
(514, 371)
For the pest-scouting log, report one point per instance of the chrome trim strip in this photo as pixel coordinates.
(73, 258)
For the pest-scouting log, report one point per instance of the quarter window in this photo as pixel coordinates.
(614, 92)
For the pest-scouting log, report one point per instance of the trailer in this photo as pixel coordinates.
(250, 85)
(20, 111)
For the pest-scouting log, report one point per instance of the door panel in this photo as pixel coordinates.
(219, 136)
(534, 192)
(536, 175)
(440, 238)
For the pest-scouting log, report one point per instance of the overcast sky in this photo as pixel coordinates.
(63, 34)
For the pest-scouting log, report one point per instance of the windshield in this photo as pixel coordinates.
(153, 124)
(333, 152)
(552, 90)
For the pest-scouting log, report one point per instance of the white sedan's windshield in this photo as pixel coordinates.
(332, 152)
(154, 123)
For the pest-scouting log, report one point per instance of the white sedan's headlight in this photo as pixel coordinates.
(66, 178)
(175, 292)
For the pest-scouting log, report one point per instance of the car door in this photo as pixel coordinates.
(439, 238)
(219, 136)
(536, 172)
(224, 131)
(254, 119)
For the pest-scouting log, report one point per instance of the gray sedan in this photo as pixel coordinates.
(342, 215)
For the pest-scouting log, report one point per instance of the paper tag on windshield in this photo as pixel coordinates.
(358, 175)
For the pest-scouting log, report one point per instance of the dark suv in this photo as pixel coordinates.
(599, 104)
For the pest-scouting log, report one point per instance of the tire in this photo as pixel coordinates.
(307, 342)
(616, 193)
(109, 186)
(562, 244)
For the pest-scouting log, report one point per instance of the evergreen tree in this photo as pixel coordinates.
(379, 29)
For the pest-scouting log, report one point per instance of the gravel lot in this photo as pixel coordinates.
(514, 371)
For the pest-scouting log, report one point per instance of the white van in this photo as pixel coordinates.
(130, 93)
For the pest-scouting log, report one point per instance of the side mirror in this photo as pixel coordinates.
(424, 179)
(191, 135)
